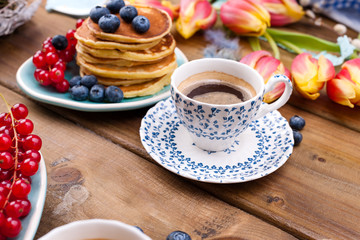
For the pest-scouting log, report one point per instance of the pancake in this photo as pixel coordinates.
(145, 89)
(114, 81)
(160, 25)
(158, 69)
(164, 48)
(85, 36)
(117, 62)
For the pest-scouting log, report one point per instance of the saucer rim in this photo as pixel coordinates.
(283, 159)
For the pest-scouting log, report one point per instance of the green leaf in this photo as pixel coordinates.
(254, 43)
(303, 41)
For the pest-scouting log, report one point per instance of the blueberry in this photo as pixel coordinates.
(59, 42)
(97, 93)
(97, 12)
(109, 23)
(88, 81)
(178, 235)
(128, 13)
(115, 5)
(140, 24)
(113, 94)
(75, 80)
(297, 122)
(79, 92)
(297, 137)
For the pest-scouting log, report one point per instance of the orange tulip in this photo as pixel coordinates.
(195, 15)
(267, 66)
(283, 12)
(310, 74)
(245, 17)
(345, 87)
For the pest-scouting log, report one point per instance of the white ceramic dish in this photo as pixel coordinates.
(96, 229)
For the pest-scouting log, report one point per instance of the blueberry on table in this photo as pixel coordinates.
(97, 12)
(79, 92)
(140, 24)
(178, 235)
(297, 137)
(297, 122)
(128, 13)
(59, 42)
(114, 6)
(97, 93)
(75, 80)
(88, 81)
(113, 94)
(109, 23)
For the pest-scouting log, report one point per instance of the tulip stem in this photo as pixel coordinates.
(273, 45)
(254, 43)
(291, 46)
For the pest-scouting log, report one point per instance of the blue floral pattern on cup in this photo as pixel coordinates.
(268, 145)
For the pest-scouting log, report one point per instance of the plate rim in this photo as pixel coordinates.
(86, 107)
(284, 159)
(37, 208)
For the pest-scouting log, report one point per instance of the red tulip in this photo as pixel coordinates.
(167, 6)
(195, 15)
(265, 64)
(345, 87)
(283, 12)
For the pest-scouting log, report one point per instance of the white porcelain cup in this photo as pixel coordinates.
(95, 229)
(214, 127)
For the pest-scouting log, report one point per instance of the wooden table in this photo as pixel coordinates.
(97, 167)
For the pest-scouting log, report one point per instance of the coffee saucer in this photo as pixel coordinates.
(263, 148)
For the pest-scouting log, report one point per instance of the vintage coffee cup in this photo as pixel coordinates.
(212, 126)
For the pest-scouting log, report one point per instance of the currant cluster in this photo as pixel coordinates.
(19, 160)
(51, 60)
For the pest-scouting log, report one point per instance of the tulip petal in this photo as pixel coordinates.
(252, 58)
(353, 66)
(283, 12)
(326, 69)
(303, 69)
(341, 91)
(274, 94)
(267, 66)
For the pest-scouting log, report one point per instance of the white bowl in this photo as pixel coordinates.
(95, 229)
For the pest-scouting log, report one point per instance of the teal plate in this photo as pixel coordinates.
(37, 198)
(28, 84)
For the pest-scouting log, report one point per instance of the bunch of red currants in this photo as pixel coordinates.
(51, 60)
(19, 160)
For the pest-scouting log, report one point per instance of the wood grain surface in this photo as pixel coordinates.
(97, 167)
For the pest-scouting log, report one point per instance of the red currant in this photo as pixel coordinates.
(26, 205)
(39, 59)
(48, 48)
(56, 75)
(5, 119)
(60, 65)
(5, 142)
(51, 58)
(19, 111)
(5, 175)
(47, 41)
(66, 55)
(2, 219)
(11, 227)
(62, 86)
(24, 126)
(14, 209)
(32, 142)
(21, 188)
(2, 200)
(6, 161)
(44, 78)
(33, 155)
(79, 22)
(29, 167)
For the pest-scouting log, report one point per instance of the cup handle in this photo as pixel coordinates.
(266, 108)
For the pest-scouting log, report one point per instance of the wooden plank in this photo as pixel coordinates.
(90, 177)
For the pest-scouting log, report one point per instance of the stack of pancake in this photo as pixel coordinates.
(140, 64)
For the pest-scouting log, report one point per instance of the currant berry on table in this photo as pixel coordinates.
(19, 160)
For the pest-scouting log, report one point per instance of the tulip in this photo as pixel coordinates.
(267, 66)
(167, 6)
(283, 12)
(310, 74)
(195, 15)
(345, 87)
(245, 17)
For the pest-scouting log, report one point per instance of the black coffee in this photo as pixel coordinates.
(217, 88)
